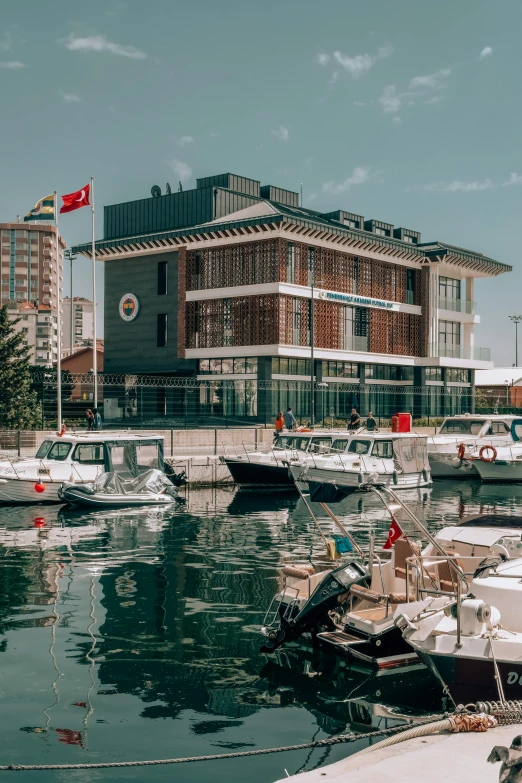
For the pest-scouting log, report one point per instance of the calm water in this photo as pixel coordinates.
(134, 636)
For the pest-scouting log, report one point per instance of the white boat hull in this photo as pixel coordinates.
(500, 471)
(353, 480)
(441, 467)
(23, 491)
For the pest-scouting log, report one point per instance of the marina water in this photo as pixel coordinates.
(134, 635)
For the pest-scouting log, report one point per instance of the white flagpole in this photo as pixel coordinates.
(58, 321)
(94, 347)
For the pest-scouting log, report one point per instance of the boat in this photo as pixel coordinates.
(471, 638)
(460, 437)
(499, 464)
(351, 608)
(396, 460)
(119, 489)
(72, 457)
(267, 466)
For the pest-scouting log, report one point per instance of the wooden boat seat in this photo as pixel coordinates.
(446, 576)
(298, 571)
(367, 595)
(402, 549)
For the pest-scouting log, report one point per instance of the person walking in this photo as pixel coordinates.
(371, 424)
(279, 424)
(355, 420)
(97, 420)
(289, 419)
(90, 419)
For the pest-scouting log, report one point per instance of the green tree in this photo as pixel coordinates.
(19, 408)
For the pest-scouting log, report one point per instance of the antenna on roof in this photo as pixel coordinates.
(180, 187)
(168, 190)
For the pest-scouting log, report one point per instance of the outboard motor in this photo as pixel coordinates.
(288, 624)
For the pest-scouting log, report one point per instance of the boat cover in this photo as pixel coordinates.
(411, 454)
(151, 481)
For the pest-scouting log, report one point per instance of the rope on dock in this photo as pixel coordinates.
(240, 754)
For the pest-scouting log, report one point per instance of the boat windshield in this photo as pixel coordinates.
(359, 446)
(60, 450)
(43, 451)
(461, 427)
(291, 442)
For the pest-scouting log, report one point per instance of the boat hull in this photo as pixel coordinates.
(500, 472)
(441, 467)
(386, 650)
(329, 486)
(78, 497)
(23, 491)
(259, 474)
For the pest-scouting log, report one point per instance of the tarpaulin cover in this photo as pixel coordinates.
(151, 481)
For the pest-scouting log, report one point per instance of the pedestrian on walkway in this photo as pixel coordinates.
(97, 420)
(371, 424)
(279, 424)
(355, 420)
(90, 419)
(289, 419)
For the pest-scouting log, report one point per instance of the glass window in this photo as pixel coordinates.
(89, 453)
(162, 278)
(359, 446)
(251, 365)
(227, 366)
(498, 428)
(117, 458)
(283, 366)
(340, 444)
(433, 373)
(461, 427)
(204, 365)
(292, 366)
(147, 456)
(380, 231)
(449, 288)
(161, 340)
(301, 367)
(215, 366)
(383, 449)
(44, 449)
(449, 333)
(320, 445)
(239, 366)
(59, 451)
(289, 442)
(275, 366)
(407, 373)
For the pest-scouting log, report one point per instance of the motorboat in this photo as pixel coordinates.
(461, 437)
(471, 638)
(500, 464)
(351, 607)
(148, 488)
(396, 460)
(76, 458)
(267, 466)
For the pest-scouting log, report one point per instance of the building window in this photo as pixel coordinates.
(406, 238)
(290, 263)
(457, 375)
(161, 340)
(382, 372)
(297, 321)
(449, 288)
(350, 223)
(340, 370)
(162, 278)
(407, 373)
(410, 286)
(449, 333)
(348, 328)
(433, 373)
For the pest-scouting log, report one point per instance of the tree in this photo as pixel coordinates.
(19, 408)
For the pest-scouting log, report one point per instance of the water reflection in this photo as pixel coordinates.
(134, 634)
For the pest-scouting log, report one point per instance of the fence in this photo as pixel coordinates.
(174, 403)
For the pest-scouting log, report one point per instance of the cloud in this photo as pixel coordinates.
(333, 79)
(99, 43)
(213, 135)
(359, 176)
(459, 186)
(435, 99)
(281, 132)
(184, 141)
(6, 42)
(390, 102)
(432, 81)
(12, 65)
(486, 51)
(514, 179)
(322, 58)
(70, 97)
(361, 103)
(397, 120)
(181, 169)
(361, 63)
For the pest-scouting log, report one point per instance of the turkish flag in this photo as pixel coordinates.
(76, 200)
(394, 533)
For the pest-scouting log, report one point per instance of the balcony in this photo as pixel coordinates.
(355, 343)
(460, 352)
(457, 305)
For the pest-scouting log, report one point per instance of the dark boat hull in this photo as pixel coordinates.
(257, 474)
(383, 651)
(472, 679)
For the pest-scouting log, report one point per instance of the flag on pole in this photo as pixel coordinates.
(42, 210)
(394, 533)
(76, 200)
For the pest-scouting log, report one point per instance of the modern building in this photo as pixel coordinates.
(218, 283)
(500, 387)
(38, 323)
(80, 311)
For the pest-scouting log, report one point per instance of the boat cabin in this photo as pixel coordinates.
(482, 426)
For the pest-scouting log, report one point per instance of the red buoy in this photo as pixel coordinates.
(39, 521)
(39, 487)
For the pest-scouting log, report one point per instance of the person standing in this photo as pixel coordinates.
(289, 419)
(371, 424)
(279, 424)
(89, 415)
(97, 420)
(355, 420)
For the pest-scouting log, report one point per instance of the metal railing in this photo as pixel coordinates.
(457, 305)
(460, 352)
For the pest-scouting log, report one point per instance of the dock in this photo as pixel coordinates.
(438, 758)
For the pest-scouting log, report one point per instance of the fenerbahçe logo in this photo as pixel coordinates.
(129, 307)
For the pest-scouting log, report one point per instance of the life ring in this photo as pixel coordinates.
(461, 451)
(303, 429)
(488, 459)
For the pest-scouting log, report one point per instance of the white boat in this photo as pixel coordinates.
(122, 489)
(75, 458)
(267, 466)
(501, 464)
(472, 644)
(460, 437)
(395, 460)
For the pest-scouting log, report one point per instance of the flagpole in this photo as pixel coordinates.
(58, 321)
(94, 351)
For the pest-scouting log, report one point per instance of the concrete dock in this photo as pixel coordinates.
(440, 758)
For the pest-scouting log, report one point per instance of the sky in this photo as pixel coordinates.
(408, 112)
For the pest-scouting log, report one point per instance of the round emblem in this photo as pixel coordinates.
(129, 307)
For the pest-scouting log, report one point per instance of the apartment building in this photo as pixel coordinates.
(77, 323)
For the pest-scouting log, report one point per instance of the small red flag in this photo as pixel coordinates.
(394, 533)
(76, 200)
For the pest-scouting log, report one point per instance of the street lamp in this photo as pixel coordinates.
(516, 320)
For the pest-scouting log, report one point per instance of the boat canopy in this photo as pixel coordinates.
(411, 454)
(508, 521)
(132, 457)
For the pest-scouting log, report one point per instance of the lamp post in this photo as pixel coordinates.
(516, 320)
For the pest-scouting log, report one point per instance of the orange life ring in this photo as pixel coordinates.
(488, 459)
(461, 451)
(303, 429)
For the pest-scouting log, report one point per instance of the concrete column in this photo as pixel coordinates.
(469, 336)
(434, 310)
